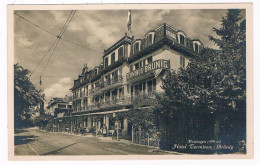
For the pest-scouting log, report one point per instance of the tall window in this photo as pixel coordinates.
(143, 62)
(116, 75)
(150, 59)
(154, 84)
(120, 53)
(182, 61)
(113, 58)
(136, 47)
(137, 65)
(96, 71)
(149, 39)
(131, 68)
(150, 86)
(181, 39)
(106, 62)
(196, 47)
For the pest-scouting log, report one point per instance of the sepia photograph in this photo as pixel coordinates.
(129, 80)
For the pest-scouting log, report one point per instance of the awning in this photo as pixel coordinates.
(106, 112)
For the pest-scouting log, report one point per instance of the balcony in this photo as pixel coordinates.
(111, 82)
(94, 90)
(140, 100)
(148, 69)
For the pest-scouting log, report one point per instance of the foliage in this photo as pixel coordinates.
(141, 118)
(26, 97)
(208, 98)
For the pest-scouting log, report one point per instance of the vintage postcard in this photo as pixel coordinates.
(154, 81)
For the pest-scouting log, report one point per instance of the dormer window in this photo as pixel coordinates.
(106, 62)
(113, 58)
(120, 53)
(149, 39)
(136, 47)
(182, 39)
(96, 71)
(196, 47)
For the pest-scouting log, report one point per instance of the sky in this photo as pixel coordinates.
(97, 30)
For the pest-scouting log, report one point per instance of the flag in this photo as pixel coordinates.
(129, 22)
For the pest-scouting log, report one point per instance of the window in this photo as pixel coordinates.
(181, 39)
(131, 68)
(120, 72)
(196, 47)
(106, 62)
(140, 87)
(113, 59)
(96, 71)
(154, 84)
(149, 39)
(137, 66)
(150, 59)
(150, 87)
(120, 53)
(182, 61)
(188, 42)
(136, 47)
(121, 93)
(136, 89)
(143, 62)
(116, 75)
(107, 77)
(144, 85)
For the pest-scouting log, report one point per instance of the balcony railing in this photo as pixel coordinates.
(104, 84)
(94, 90)
(158, 64)
(139, 99)
(118, 79)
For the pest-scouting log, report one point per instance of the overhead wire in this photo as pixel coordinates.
(35, 24)
(50, 56)
(43, 57)
(72, 13)
(57, 38)
(41, 28)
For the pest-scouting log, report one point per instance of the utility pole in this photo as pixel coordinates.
(132, 133)
(117, 138)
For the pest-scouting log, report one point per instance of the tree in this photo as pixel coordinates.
(26, 97)
(207, 99)
(232, 43)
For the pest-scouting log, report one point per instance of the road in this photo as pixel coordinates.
(35, 142)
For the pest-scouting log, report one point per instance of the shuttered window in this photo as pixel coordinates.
(120, 53)
(113, 58)
(196, 47)
(182, 39)
(106, 62)
(136, 47)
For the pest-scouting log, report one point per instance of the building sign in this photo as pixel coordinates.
(158, 64)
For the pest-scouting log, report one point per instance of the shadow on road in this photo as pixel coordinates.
(18, 140)
(18, 131)
(57, 151)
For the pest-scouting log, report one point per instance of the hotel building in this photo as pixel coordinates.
(129, 74)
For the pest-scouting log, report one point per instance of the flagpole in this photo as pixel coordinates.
(129, 23)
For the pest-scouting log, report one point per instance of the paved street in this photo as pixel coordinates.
(35, 142)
